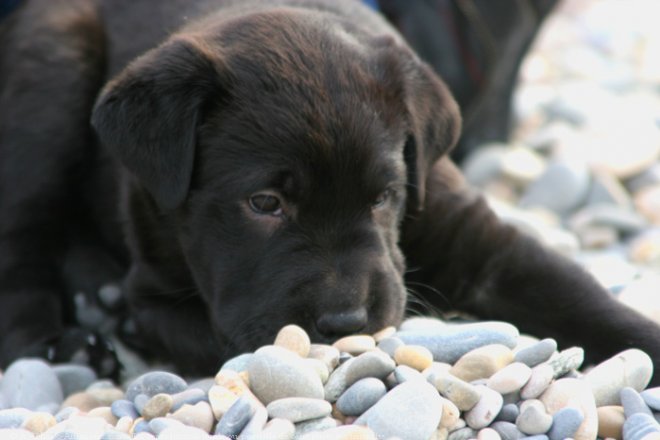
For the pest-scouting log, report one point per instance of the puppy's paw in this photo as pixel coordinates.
(81, 346)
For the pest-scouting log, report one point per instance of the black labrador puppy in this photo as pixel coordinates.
(268, 162)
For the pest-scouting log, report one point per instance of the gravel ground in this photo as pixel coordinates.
(581, 173)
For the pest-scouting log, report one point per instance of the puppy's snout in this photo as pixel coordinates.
(335, 324)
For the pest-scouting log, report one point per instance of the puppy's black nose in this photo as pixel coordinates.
(342, 323)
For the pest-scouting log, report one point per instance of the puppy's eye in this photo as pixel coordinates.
(266, 203)
(382, 198)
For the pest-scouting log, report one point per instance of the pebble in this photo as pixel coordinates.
(15, 434)
(321, 424)
(639, 426)
(124, 408)
(464, 395)
(567, 392)
(540, 379)
(276, 372)
(190, 396)
(221, 399)
(485, 411)
(361, 396)
(371, 364)
(450, 414)
(157, 406)
(327, 354)
(414, 356)
(482, 362)
(237, 417)
(298, 409)
(610, 422)
(507, 431)
(256, 424)
(508, 413)
(105, 396)
(355, 344)
(199, 415)
(630, 368)
(462, 434)
(74, 378)
(633, 403)
(105, 413)
(652, 397)
(448, 343)
(533, 419)
(346, 432)
(278, 429)
(238, 363)
(404, 373)
(155, 382)
(536, 353)
(384, 333)
(389, 345)
(411, 410)
(566, 360)
(159, 424)
(83, 401)
(566, 423)
(13, 417)
(182, 432)
(294, 338)
(115, 435)
(488, 434)
(337, 383)
(510, 378)
(31, 384)
(39, 422)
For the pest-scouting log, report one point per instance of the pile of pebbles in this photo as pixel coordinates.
(427, 380)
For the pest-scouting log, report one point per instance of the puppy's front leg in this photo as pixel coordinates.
(457, 246)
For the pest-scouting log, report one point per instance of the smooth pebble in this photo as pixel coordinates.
(485, 411)
(294, 338)
(361, 396)
(511, 378)
(298, 409)
(536, 353)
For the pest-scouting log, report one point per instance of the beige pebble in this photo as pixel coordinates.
(233, 381)
(576, 393)
(436, 368)
(414, 356)
(39, 422)
(610, 421)
(106, 396)
(355, 344)
(510, 378)
(450, 414)
(464, 395)
(482, 362)
(294, 338)
(105, 412)
(83, 400)
(327, 354)
(384, 333)
(630, 368)
(124, 424)
(221, 399)
(488, 434)
(318, 366)
(158, 406)
(440, 434)
(199, 416)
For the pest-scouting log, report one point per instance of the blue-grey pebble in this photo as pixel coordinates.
(462, 434)
(155, 382)
(404, 373)
(13, 417)
(73, 377)
(256, 424)
(159, 424)
(361, 396)
(411, 410)
(115, 435)
(508, 413)
(190, 396)
(238, 363)
(449, 343)
(236, 418)
(31, 384)
(633, 403)
(142, 426)
(566, 361)
(370, 364)
(298, 409)
(536, 437)
(564, 423)
(203, 384)
(536, 353)
(314, 425)
(139, 401)
(65, 413)
(389, 345)
(507, 430)
(652, 398)
(638, 425)
(124, 408)
(102, 384)
(66, 435)
(343, 357)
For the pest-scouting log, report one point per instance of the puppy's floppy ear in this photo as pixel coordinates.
(148, 115)
(434, 126)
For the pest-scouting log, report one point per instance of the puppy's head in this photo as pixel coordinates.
(288, 148)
